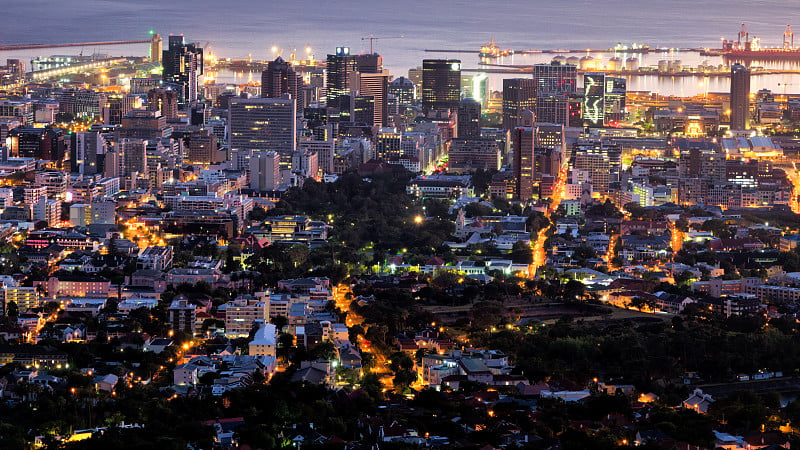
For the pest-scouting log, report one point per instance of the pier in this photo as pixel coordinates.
(8, 48)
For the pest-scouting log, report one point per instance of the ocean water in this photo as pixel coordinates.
(238, 28)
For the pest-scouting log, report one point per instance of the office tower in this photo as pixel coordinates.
(554, 84)
(39, 143)
(594, 106)
(476, 87)
(375, 85)
(598, 168)
(740, 97)
(117, 106)
(388, 144)
(552, 108)
(469, 118)
(144, 124)
(81, 103)
(403, 89)
(183, 65)
(132, 156)
(156, 48)
(523, 142)
(362, 109)
(267, 124)
(339, 67)
(369, 63)
(616, 92)
(519, 94)
(441, 84)
(86, 145)
(202, 149)
(164, 100)
(265, 172)
(555, 78)
(468, 154)
(144, 85)
(279, 79)
(575, 110)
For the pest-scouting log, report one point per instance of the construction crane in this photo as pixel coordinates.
(372, 38)
(788, 38)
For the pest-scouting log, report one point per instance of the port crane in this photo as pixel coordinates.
(372, 38)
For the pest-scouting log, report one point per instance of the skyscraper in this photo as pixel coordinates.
(594, 98)
(441, 84)
(523, 142)
(164, 100)
(369, 63)
(375, 85)
(469, 118)
(740, 97)
(519, 94)
(183, 65)
(339, 67)
(555, 83)
(279, 78)
(555, 78)
(267, 124)
(86, 145)
(616, 92)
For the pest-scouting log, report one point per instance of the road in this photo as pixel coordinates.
(381, 367)
(794, 178)
(539, 252)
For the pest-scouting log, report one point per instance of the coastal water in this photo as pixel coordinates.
(238, 28)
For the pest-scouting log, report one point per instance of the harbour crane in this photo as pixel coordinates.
(372, 38)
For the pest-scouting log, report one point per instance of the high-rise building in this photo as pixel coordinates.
(740, 97)
(183, 65)
(362, 109)
(519, 94)
(265, 172)
(267, 124)
(375, 85)
(279, 79)
(555, 78)
(594, 98)
(86, 145)
(554, 84)
(118, 106)
(144, 124)
(202, 149)
(441, 84)
(403, 89)
(339, 67)
(616, 92)
(164, 100)
(469, 118)
(40, 143)
(523, 143)
(369, 63)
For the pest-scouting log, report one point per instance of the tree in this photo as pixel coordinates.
(258, 214)
(521, 253)
(12, 310)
